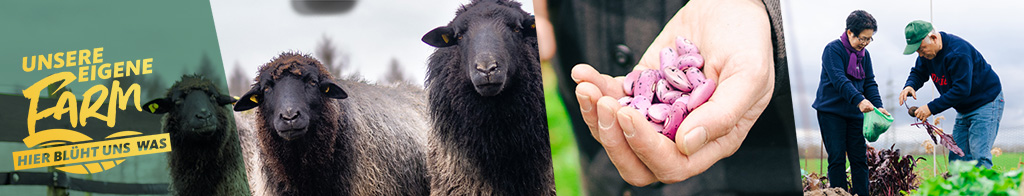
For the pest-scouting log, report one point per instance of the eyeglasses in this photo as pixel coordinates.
(866, 39)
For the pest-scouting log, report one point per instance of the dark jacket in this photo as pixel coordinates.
(838, 92)
(962, 76)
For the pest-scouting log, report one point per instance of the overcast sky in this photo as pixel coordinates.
(994, 28)
(372, 33)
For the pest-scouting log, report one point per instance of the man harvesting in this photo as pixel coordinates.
(966, 83)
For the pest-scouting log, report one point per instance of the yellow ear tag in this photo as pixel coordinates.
(533, 26)
(253, 99)
(445, 38)
(153, 107)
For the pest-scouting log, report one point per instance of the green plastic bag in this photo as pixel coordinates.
(876, 123)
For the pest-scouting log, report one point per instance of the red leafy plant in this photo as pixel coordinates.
(890, 173)
(947, 140)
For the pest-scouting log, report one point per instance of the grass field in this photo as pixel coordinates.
(564, 155)
(1002, 163)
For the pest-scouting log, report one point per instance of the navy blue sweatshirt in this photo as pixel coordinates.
(838, 92)
(964, 79)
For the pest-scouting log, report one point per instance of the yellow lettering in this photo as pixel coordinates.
(89, 110)
(117, 95)
(146, 65)
(82, 74)
(96, 54)
(104, 71)
(132, 68)
(71, 58)
(59, 61)
(44, 60)
(83, 55)
(25, 66)
(32, 93)
(118, 69)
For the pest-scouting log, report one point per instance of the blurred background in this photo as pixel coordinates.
(378, 41)
(992, 27)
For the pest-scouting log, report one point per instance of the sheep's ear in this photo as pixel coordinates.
(224, 99)
(250, 100)
(440, 37)
(158, 106)
(530, 27)
(333, 90)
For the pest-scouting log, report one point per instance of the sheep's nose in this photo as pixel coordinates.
(485, 63)
(290, 114)
(203, 114)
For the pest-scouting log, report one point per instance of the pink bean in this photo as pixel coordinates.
(694, 76)
(661, 88)
(701, 94)
(658, 112)
(668, 57)
(685, 47)
(629, 81)
(674, 119)
(625, 100)
(685, 99)
(644, 86)
(670, 96)
(641, 104)
(677, 79)
(691, 61)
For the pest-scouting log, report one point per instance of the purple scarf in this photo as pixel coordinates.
(855, 68)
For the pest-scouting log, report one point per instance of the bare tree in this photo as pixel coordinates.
(239, 81)
(395, 73)
(335, 60)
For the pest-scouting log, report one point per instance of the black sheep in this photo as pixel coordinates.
(207, 159)
(490, 133)
(316, 139)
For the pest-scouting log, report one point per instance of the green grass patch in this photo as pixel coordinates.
(564, 153)
(926, 168)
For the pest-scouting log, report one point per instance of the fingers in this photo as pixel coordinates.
(903, 95)
(923, 112)
(619, 152)
(656, 151)
(865, 106)
(587, 95)
(607, 85)
(744, 89)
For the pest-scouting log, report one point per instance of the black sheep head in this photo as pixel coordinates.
(289, 91)
(192, 106)
(489, 37)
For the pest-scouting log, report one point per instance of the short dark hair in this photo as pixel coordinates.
(860, 20)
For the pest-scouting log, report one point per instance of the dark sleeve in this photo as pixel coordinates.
(835, 70)
(870, 87)
(960, 74)
(918, 75)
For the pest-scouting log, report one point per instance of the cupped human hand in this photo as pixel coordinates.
(907, 92)
(734, 37)
(865, 106)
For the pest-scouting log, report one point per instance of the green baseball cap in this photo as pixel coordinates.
(916, 31)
